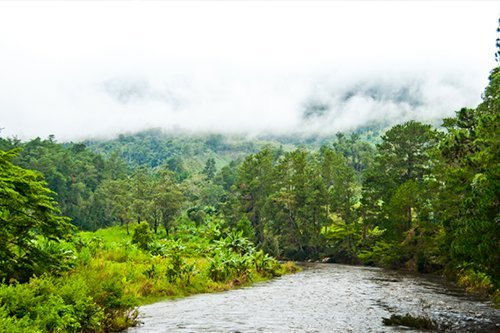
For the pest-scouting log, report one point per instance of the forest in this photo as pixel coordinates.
(97, 227)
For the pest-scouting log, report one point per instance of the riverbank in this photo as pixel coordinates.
(110, 272)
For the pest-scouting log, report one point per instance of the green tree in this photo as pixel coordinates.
(406, 154)
(142, 193)
(397, 196)
(343, 195)
(226, 177)
(359, 154)
(28, 215)
(471, 174)
(167, 198)
(116, 196)
(296, 207)
(254, 184)
(209, 170)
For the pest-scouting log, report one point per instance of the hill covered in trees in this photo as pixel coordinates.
(418, 197)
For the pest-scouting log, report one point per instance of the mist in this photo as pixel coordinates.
(87, 70)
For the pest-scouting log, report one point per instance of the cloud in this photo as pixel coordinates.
(337, 105)
(234, 102)
(80, 70)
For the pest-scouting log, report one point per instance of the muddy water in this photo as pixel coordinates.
(323, 298)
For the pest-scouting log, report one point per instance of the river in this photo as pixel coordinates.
(324, 298)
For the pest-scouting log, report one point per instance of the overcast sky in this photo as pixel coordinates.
(86, 69)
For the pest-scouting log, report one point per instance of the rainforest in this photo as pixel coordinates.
(248, 166)
(92, 229)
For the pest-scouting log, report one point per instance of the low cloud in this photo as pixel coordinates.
(234, 67)
(237, 102)
(339, 106)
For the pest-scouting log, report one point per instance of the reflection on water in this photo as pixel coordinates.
(323, 298)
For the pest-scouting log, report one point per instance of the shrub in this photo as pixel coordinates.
(227, 264)
(475, 282)
(265, 264)
(47, 304)
(119, 308)
(142, 236)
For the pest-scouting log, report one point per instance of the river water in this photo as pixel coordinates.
(323, 298)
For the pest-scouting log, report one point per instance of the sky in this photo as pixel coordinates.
(96, 69)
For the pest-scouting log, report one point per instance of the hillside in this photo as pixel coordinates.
(187, 153)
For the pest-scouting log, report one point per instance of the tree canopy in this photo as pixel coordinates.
(29, 216)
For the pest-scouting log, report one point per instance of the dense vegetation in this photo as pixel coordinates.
(183, 214)
(58, 280)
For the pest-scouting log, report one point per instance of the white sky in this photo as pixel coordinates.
(79, 69)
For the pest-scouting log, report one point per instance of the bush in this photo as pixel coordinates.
(385, 254)
(143, 236)
(119, 307)
(179, 269)
(475, 282)
(265, 264)
(47, 304)
(235, 242)
(11, 324)
(110, 276)
(227, 264)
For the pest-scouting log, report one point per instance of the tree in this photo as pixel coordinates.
(397, 198)
(359, 154)
(405, 151)
(28, 215)
(404, 155)
(226, 176)
(342, 191)
(116, 196)
(254, 185)
(294, 209)
(167, 198)
(209, 170)
(142, 193)
(471, 174)
(74, 172)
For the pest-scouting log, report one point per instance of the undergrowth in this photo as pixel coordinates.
(109, 273)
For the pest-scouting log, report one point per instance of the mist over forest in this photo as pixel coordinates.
(325, 68)
(151, 151)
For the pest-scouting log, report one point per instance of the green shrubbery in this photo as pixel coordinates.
(57, 280)
(234, 257)
(474, 281)
(108, 273)
(49, 304)
(143, 236)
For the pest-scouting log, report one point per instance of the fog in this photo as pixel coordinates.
(97, 69)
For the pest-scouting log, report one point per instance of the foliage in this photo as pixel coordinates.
(47, 304)
(111, 275)
(210, 169)
(421, 199)
(30, 221)
(142, 236)
(73, 172)
(471, 172)
(475, 282)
